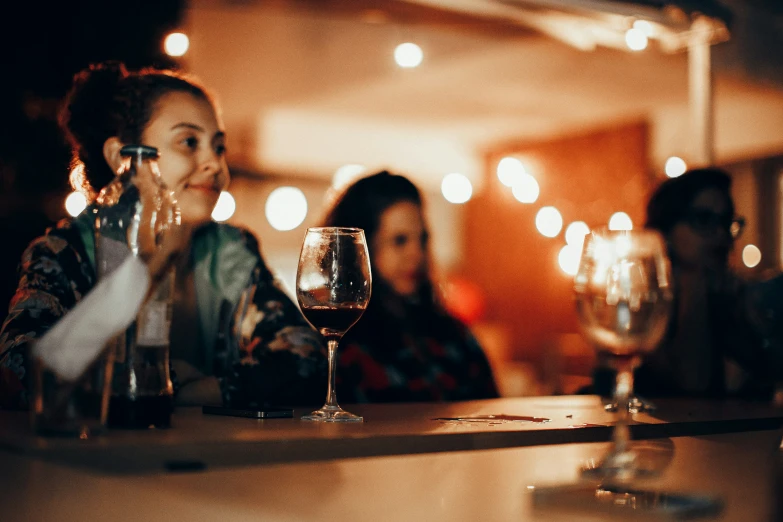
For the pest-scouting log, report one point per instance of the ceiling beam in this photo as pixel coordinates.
(389, 12)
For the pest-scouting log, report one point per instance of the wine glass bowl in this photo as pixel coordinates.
(623, 292)
(333, 287)
(623, 300)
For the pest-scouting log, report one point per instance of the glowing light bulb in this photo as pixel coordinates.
(286, 208)
(456, 188)
(575, 233)
(645, 27)
(549, 222)
(176, 44)
(675, 166)
(346, 175)
(568, 259)
(620, 221)
(75, 203)
(510, 170)
(751, 256)
(408, 55)
(635, 39)
(224, 208)
(526, 189)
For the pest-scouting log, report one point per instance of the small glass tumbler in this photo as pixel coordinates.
(71, 408)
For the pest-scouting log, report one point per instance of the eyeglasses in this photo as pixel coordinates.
(705, 222)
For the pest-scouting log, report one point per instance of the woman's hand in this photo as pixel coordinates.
(175, 243)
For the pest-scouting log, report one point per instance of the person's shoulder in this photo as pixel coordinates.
(56, 239)
(447, 320)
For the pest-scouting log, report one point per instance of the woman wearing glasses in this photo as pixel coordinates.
(713, 347)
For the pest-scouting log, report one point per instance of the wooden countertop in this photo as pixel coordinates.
(197, 441)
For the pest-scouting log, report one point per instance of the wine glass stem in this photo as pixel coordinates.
(331, 390)
(622, 391)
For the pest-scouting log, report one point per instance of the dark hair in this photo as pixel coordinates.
(363, 203)
(672, 200)
(107, 100)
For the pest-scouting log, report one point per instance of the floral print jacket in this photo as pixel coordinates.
(399, 352)
(280, 358)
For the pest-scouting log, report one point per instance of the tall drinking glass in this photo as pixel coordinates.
(623, 299)
(333, 286)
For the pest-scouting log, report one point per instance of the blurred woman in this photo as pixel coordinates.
(713, 347)
(406, 347)
(109, 107)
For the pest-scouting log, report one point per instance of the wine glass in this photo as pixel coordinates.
(623, 299)
(333, 286)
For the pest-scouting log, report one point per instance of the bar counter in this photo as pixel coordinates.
(400, 464)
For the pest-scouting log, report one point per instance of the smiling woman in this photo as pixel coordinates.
(280, 359)
(187, 133)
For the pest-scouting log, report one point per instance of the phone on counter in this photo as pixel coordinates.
(249, 413)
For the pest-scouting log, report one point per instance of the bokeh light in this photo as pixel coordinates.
(645, 27)
(635, 39)
(75, 203)
(568, 259)
(286, 208)
(620, 221)
(510, 171)
(549, 222)
(176, 44)
(408, 55)
(456, 188)
(526, 189)
(575, 234)
(675, 166)
(225, 207)
(751, 256)
(347, 174)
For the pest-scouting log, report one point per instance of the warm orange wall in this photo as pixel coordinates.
(587, 177)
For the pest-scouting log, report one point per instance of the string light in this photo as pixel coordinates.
(286, 208)
(408, 55)
(620, 221)
(176, 44)
(526, 189)
(575, 233)
(75, 203)
(346, 175)
(675, 166)
(751, 256)
(568, 259)
(510, 171)
(635, 39)
(645, 27)
(456, 188)
(225, 207)
(549, 222)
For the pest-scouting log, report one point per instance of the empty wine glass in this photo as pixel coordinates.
(333, 286)
(623, 300)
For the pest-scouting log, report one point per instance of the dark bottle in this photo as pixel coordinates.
(133, 215)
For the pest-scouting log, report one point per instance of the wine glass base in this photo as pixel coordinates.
(635, 405)
(327, 414)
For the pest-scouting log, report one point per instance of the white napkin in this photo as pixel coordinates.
(77, 339)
